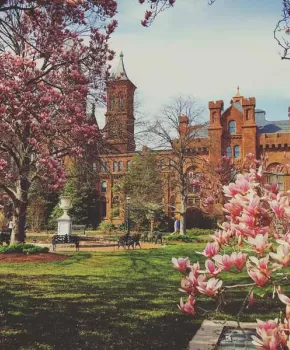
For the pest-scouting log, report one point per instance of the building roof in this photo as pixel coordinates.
(120, 72)
(270, 126)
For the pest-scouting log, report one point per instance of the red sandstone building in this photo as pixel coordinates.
(236, 131)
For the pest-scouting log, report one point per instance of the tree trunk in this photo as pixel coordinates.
(19, 213)
(182, 215)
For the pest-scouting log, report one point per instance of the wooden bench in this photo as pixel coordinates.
(65, 239)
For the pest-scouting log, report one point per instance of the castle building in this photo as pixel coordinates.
(234, 132)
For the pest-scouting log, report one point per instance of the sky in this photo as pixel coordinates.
(206, 52)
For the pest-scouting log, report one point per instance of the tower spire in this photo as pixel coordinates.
(120, 72)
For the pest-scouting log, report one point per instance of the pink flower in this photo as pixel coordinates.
(251, 299)
(260, 243)
(188, 307)
(282, 255)
(270, 333)
(258, 277)
(239, 260)
(211, 287)
(224, 261)
(284, 299)
(211, 250)
(181, 264)
(211, 268)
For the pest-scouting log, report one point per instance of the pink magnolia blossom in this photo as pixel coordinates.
(258, 277)
(224, 261)
(251, 299)
(210, 250)
(188, 307)
(282, 255)
(181, 264)
(239, 260)
(260, 243)
(212, 269)
(211, 287)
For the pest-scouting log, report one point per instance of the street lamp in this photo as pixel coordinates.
(128, 198)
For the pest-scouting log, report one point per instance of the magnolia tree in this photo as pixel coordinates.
(53, 56)
(254, 238)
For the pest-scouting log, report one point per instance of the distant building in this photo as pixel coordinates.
(235, 132)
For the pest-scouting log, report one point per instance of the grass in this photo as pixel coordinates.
(112, 300)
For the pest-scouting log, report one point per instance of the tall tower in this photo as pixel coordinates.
(120, 110)
(215, 130)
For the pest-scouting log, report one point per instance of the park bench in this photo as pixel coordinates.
(65, 239)
(5, 236)
(129, 241)
(156, 236)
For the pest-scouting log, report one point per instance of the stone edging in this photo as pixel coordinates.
(208, 334)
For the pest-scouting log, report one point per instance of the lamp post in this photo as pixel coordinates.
(128, 198)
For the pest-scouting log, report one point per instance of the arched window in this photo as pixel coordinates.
(274, 175)
(121, 102)
(120, 166)
(105, 167)
(103, 207)
(232, 127)
(229, 152)
(104, 186)
(128, 165)
(237, 152)
(115, 166)
(193, 184)
(163, 164)
(247, 114)
(213, 119)
(171, 164)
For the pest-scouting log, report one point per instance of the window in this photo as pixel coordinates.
(105, 167)
(115, 167)
(128, 165)
(121, 104)
(229, 152)
(120, 166)
(213, 117)
(163, 164)
(193, 201)
(237, 152)
(94, 166)
(232, 127)
(103, 186)
(171, 164)
(193, 185)
(274, 176)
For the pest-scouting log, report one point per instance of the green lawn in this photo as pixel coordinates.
(113, 300)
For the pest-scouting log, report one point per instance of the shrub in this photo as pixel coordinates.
(106, 226)
(183, 238)
(199, 232)
(23, 248)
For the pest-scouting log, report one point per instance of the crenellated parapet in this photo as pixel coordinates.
(215, 110)
(274, 141)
